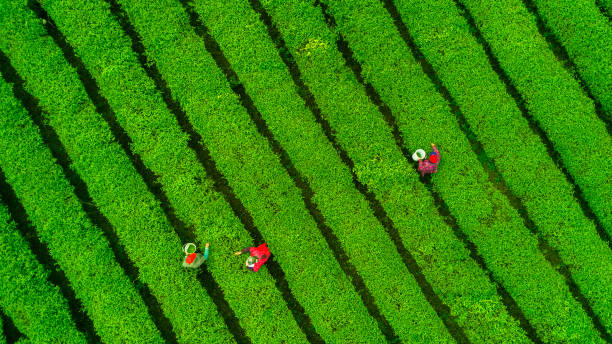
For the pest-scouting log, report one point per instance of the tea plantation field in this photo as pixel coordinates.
(129, 128)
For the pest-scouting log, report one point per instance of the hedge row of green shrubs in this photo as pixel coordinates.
(362, 131)
(578, 25)
(555, 99)
(268, 82)
(463, 68)
(35, 305)
(382, 48)
(254, 172)
(79, 248)
(158, 138)
(114, 185)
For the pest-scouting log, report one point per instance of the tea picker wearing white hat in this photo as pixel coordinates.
(430, 165)
(192, 259)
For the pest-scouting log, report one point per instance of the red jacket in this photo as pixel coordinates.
(262, 253)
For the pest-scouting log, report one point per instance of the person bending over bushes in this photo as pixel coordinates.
(259, 255)
(195, 260)
(430, 165)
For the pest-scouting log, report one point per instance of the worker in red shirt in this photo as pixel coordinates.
(430, 165)
(259, 255)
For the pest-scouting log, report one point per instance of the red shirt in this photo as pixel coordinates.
(262, 253)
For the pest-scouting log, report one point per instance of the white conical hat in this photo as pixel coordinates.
(250, 262)
(418, 155)
(189, 246)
